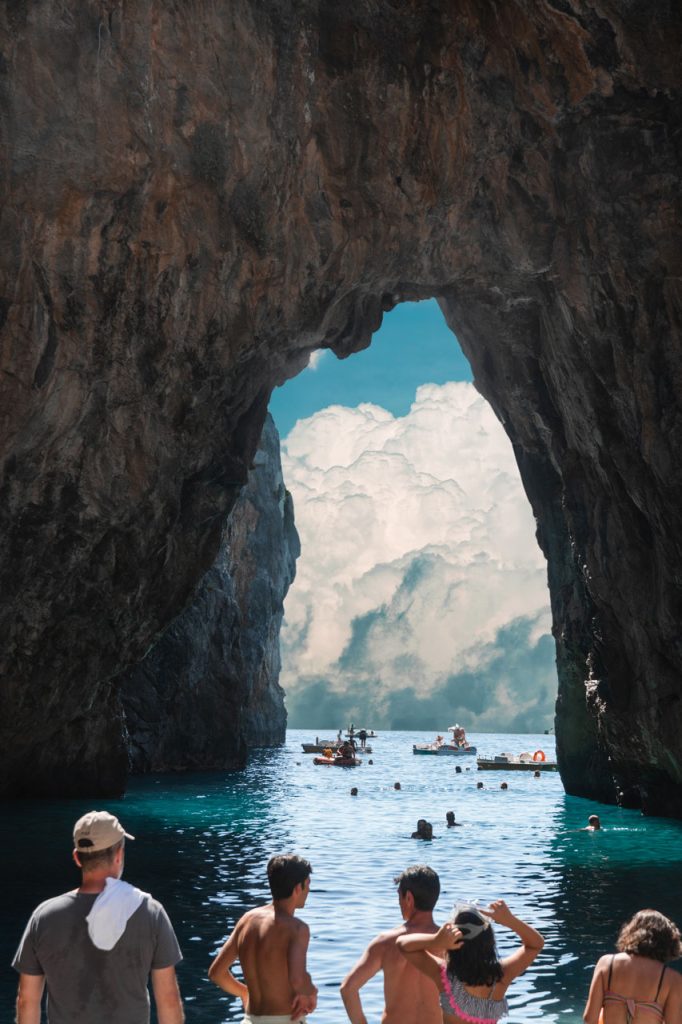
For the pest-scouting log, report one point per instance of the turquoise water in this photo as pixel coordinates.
(203, 841)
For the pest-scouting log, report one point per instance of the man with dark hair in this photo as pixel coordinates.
(271, 946)
(409, 997)
(95, 948)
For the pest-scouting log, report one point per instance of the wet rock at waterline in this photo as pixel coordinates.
(208, 690)
(196, 197)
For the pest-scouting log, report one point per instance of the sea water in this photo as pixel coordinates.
(203, 841)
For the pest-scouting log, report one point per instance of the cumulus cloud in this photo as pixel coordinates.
(421, 592)
(315, 359)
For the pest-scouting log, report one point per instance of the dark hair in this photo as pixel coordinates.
(92, 861)
(422, 882)
(476, 961)
(650, 934)
(285, 872)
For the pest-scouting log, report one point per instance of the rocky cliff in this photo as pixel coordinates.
(208, 690)
(198, 195)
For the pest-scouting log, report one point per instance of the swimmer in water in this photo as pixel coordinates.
(424, 830)
(593, 824)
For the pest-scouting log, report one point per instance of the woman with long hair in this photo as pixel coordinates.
(634, 985)
(471, 979)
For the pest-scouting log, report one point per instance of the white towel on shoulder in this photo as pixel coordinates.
(111, 912)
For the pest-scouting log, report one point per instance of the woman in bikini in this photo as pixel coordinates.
(634, 985)
(472, 980)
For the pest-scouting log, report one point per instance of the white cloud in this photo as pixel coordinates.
(418, 548)
(316, 358)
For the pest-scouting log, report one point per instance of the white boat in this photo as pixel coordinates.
(459, 747)
(517, 763)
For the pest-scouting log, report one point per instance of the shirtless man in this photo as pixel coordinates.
(409, 997)
(271, 945)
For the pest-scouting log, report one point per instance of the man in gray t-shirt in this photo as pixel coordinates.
(94, 949)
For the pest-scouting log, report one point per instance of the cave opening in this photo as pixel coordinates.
(421, 593)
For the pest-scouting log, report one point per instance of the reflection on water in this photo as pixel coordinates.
(203, 842)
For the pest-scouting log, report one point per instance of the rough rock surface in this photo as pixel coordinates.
(199, 194)
(208, 690)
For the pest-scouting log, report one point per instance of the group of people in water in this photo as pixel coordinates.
(447, 974)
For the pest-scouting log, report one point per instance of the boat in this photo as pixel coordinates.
(321, 745)
(338, 762)
(459, 747)
(525, 762)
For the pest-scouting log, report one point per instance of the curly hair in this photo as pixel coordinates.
(476, 961)
(650, 934)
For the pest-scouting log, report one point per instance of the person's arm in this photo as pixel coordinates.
(595, 998)
(29, 996)
(424, 951)
(367, 966)
(673, 1005)
(531, 940)
(167, 996)
(219, 971)
(305, 993)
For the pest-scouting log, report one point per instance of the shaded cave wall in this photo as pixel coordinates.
(196, 196)
(208, 690)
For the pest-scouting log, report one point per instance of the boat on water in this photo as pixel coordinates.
(320, 746)
(458, 747)
(525, 762)
(338, 762)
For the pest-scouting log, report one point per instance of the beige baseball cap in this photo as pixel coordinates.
(97, 830)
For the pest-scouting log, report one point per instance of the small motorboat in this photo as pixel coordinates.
(459, 747)
(320, 746)
(525, 762)
(338, 762)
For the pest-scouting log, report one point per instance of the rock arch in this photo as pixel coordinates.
(196, 195)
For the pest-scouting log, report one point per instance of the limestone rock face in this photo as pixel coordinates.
(208, 690)
(198, 195)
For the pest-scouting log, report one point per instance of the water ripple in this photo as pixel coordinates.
(204, 840)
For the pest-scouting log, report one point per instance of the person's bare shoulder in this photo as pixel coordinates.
(675, 981)
(252, 919)
(298, 927)
(384, 945)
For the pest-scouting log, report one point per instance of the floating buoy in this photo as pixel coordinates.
(539, 755)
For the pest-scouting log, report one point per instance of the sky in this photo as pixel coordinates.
(420, 597)
(413, 346)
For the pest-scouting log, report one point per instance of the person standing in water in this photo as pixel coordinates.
(635, 984)
(409, 997)
(471, 980)
(271, 945)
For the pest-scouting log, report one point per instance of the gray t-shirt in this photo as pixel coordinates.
(86, 985)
